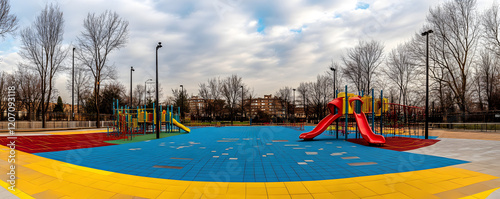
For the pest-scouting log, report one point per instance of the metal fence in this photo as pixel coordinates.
(483, 127)
(473, 117)
(26, 125)
(54, 116)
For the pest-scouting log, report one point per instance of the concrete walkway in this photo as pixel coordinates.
(477, 135)
(483, 156)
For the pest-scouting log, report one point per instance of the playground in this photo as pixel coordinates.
(365, 148)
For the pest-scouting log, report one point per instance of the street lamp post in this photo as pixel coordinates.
(73, 88)
(334, 80)
(157, 110)
(242, 103)
(293, 105)
(426, 34)
(334, 71)
(182, 101)
(131, 70)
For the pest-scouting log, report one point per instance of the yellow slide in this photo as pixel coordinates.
(181, 126)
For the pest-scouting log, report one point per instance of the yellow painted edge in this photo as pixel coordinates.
(483, 194)
(18, 192)
(97, 171)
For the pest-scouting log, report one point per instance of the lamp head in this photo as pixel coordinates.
(427, 32)
(159, 45)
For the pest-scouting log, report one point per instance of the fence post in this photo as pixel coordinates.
(381, 112)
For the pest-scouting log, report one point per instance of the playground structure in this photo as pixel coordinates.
(369, 117)
(129, 122)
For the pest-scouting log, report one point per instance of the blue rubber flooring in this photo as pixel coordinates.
(248, 154)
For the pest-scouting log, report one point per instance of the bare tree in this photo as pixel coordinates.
(204, 93)
(491, 25)
(231, 91)
(211, 93)
(137, 97)
(215, 87)
(250, 95)
(42, 48)
(402, 71)
(82, 85)
(102, 35)
(316, 97)
(304, 93)
(456, 34)
(28, 90)
(285, 98)
(8, 22)
(361, 63)
(181, 99)
(488, 70)
(4, 83)
(320, 95)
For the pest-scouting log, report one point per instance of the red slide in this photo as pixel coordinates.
(364, 127)
(325, 122)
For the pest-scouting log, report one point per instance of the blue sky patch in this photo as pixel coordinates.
(261, 26)
(362, 5)
(298, 30)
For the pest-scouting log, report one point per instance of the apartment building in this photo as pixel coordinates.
(196, 105)
(267, 104)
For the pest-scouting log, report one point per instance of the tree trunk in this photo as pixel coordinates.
(96, 98)
(43, 104)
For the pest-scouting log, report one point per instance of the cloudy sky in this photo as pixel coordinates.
(271, 44)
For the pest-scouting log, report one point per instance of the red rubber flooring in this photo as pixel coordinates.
(49, 143)
(399, 143)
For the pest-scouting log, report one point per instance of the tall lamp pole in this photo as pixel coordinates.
(131, 70)
(334, 80)
(182, 101)
(426, 34)
(293, 105)
(242, 103)
(73, 88)
(157, 109)
(334, 71)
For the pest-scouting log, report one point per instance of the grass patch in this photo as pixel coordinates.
(141, 138)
